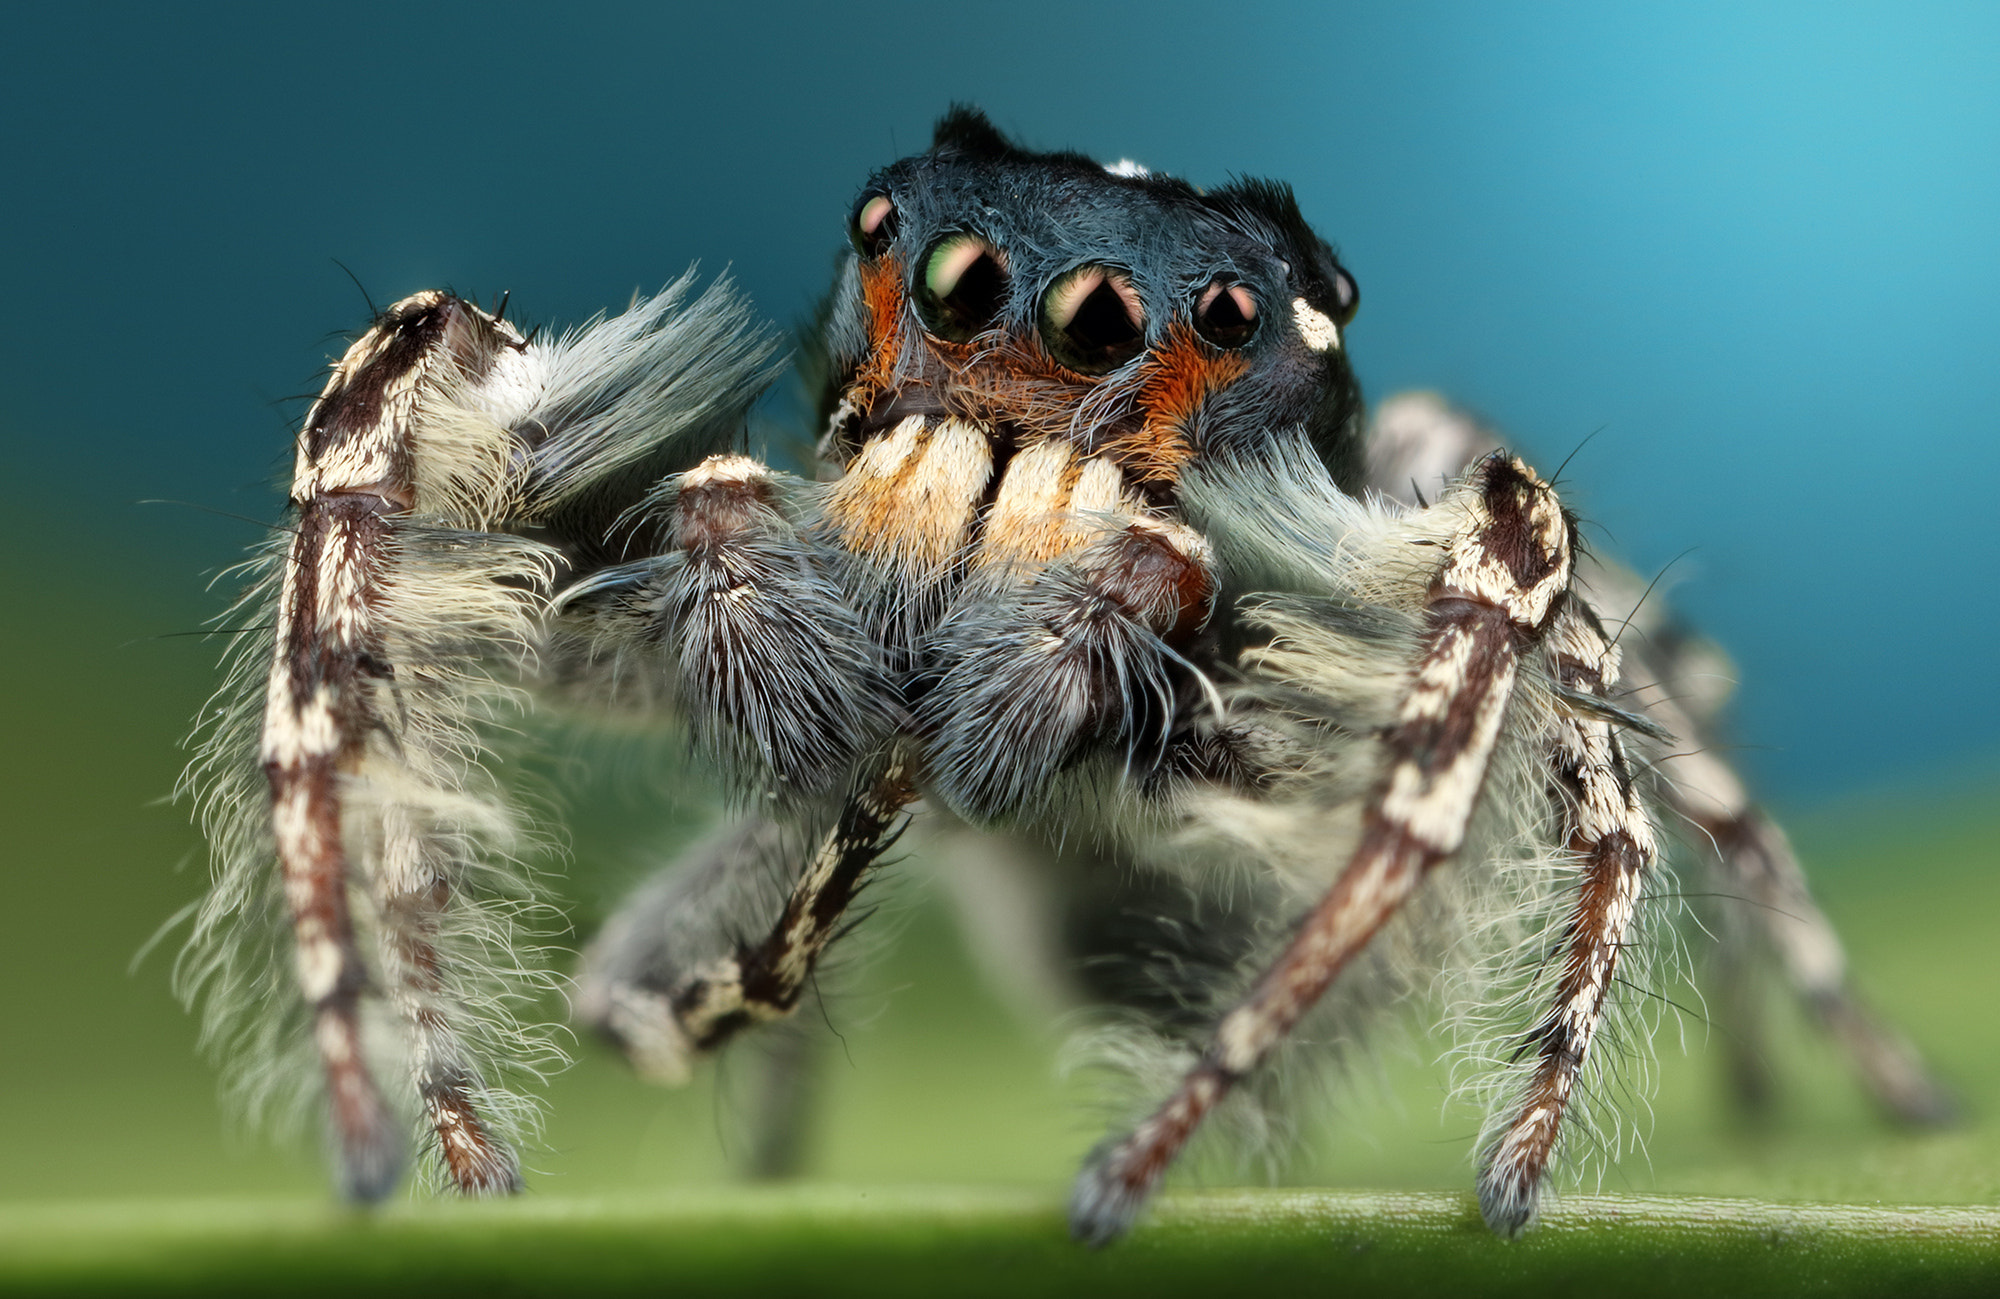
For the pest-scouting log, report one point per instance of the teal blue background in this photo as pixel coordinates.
(1752, 248)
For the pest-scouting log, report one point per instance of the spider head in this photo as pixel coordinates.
(1044, 295)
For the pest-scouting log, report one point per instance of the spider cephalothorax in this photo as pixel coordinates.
(1130, 315)
(1100, 549)
(1025, 354)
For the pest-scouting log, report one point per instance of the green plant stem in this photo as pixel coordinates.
(911, 1241)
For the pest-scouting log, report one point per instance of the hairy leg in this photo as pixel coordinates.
(413, 902)
(1680, 682)
(697, 957)
(1752, 886)
(338, 660)
(1775, 917)
(1604, 824)
(408, 608)
(1493, 596)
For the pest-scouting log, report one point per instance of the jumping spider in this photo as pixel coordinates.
(1103, 549)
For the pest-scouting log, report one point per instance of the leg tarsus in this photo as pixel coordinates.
(367, 1141)
(1742, 1014)
(414, 893)
(1889, 1066)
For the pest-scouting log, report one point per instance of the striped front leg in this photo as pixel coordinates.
(1493, 597)
(365, 738)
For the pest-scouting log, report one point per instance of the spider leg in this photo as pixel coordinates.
(413, 901)
(1604, 823)
(763, 981)
(695, 913)
(783, 1113)
(312, 722)
(1754, 867)
(348, 729)
(1492, 598)
(1681, 682)
(656, 982)
(409, 610)
(1763, 906)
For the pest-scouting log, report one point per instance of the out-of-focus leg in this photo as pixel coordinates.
(1761, 898)
(695, 958)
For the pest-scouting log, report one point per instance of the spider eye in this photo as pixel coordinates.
(873, 224)
(963, 289)
(1092, 319)
(1346, 296)
(1226, 314)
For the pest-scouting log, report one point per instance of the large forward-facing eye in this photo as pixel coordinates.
(1092, 319)
(1226, 314)
(873, 224)
(963, 287)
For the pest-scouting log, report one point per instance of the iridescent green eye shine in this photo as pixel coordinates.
(1092, 319)
(874, 225)
(963, 288)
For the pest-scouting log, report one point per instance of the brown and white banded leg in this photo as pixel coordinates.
(1763, 905)
(410, 609)
(1681, 682)
(353, 475)
(315, 721)
(347, 713)
(1604, 823)
(1772, 911)
(413, 900)
(1757, 898)
(663, 1010)
(1492, 598)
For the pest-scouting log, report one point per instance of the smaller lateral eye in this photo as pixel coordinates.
(1346, 296)
(1226, 314)
(962, 288)
(873, 225)
(1092, 319)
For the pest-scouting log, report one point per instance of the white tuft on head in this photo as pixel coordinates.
(1315, 326)
(1128, 169)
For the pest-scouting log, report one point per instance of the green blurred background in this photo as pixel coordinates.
(1755, 246)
